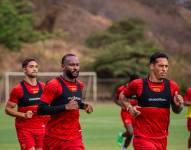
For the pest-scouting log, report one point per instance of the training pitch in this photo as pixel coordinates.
(100, 129)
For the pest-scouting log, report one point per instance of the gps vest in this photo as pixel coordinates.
(150, 98)
(67, 94)
(28, 98)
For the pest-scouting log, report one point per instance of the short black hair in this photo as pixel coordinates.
(65, 56)
(26, 61)
(157, 55)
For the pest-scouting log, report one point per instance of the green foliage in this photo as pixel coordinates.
(130, 31)
(16, 25)
(121, 50)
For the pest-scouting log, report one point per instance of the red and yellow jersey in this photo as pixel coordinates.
(154, 100)
(64, 125)
(27, 97)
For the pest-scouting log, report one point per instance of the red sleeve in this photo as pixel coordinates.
(187, 96)
(173, 87)
(119, 90)
(51, 90)
(16, 94)
(134, 88)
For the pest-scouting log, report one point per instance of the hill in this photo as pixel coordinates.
(168, 22)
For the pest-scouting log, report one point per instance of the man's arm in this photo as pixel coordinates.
(177, 104)
(10, 110)
(10, 107)
(126, 104)
(133, 88)
(46, 109)
(116, 95)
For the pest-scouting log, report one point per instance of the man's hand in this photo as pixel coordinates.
(178, 99)
(28, 114)
(88, 108)
(133, 110)
(71, 105)
(177, 105)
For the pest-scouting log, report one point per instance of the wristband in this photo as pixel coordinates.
(81, 105)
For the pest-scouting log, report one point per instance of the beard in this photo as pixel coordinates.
(72, 75)
(32, 75)
(163, 76)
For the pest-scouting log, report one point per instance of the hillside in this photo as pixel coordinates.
(168, 22)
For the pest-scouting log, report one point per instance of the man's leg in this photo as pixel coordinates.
(128, 135)
(26, 139)
(127, 121)
(189, 129)
(39, 137)
(189, 142)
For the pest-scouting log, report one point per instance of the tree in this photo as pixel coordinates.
(121, 50)
(16, 25)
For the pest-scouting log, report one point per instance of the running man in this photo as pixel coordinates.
(25, 95)
(126, 117)
(62, 99)
(155, 94)
(187, 102)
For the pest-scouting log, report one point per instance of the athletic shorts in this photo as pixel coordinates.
(189, 124)
(140, 143)
(51, 143)
(126, 117)
(30, 138)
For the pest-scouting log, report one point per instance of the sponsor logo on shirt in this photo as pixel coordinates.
(34, 99)
(157, 100)
(74, 98)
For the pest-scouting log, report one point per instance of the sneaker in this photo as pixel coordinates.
(123, 148)
(120, 139)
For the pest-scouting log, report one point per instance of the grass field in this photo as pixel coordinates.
(99, 130)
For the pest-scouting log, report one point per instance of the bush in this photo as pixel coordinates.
(16, 25)
(121, 50)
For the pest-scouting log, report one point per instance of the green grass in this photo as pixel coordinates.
(100, 130)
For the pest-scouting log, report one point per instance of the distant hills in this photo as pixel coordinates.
(168, 21)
